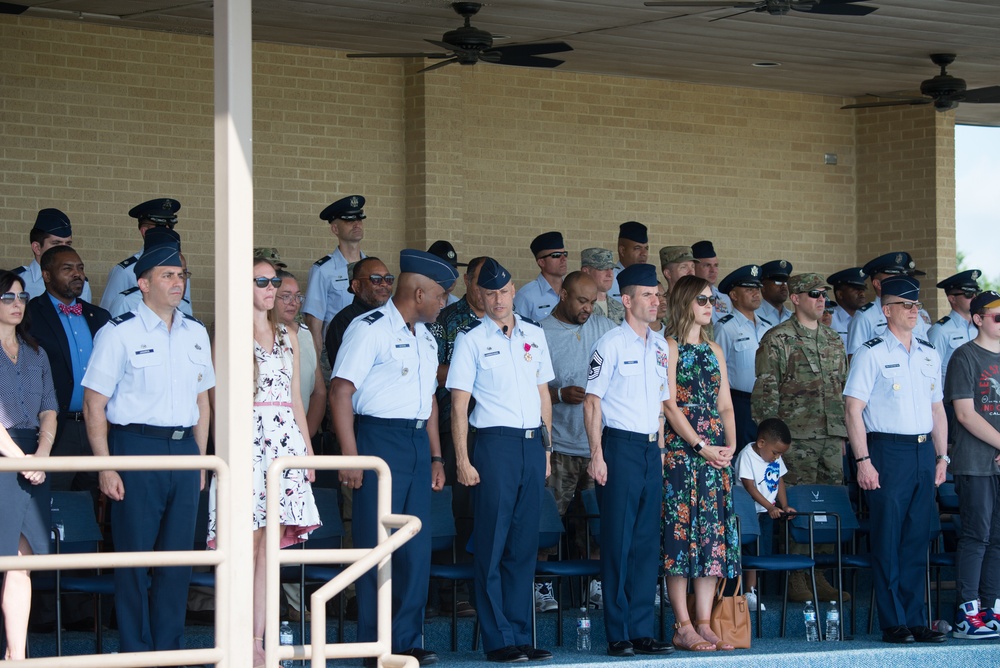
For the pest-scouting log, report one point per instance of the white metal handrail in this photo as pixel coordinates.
(361, 561)
(218, 557)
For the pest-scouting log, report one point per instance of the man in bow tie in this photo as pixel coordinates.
(64, 326)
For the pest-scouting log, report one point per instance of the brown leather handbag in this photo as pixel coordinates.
(730, 618)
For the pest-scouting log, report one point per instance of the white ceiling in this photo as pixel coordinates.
(883, 52)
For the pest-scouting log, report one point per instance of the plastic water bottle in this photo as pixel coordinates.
(833, 622)
(285, 637)
(583, 631)
(809, 616)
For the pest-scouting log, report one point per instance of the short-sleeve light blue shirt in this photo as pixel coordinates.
(615, 292)
(723, 305)
(869, 322)
(502, 374)
(739, 338)
(771, 314)
(128, 300)
(327, 292)
(536, 299)
(898, 386)
(394, 371)
(841, 323)
(629, 376)
(151, 375)
(947, 334)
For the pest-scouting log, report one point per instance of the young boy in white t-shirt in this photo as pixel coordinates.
(761, 469)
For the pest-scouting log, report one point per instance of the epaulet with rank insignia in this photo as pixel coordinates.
(465, 329)
(323, 260)
(724, 319)
(944, 320)
(923, 342)
(303, 326)
(128, 262)
(373, 317)
(122, 318)
(192, 318)
(126, 293)
(765, 321)
(874, 342)
(20, 270)
(867, 306)
(529, 321)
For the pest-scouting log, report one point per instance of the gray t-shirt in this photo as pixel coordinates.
(974, 373)
(571, 347)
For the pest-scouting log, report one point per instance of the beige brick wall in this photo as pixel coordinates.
(96, 119)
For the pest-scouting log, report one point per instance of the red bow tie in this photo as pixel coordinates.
(75, 309)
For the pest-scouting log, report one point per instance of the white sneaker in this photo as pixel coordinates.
(544, 600)
(752, 601)
(596, 595)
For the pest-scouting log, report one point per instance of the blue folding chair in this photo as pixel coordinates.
(443, 534)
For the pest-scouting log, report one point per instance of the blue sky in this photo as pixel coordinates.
(977, 197)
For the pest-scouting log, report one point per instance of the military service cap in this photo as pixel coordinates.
(637, 274)
(492, 275)
(896, 264)
(426, 264)
(963, 280)
(853, 276)
(776, 270)
(747, 276)
(54, 222)
(157, 211)
(444, 250)
(597, 258)
(547, 241)
(670, 254)
(633, 231)
(347, 208)
(270, 254)
(805, 283)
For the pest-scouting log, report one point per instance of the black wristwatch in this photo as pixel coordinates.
(861, 459)
(697, 447)
(437, 460)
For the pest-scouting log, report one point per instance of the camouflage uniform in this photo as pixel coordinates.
(800, 378)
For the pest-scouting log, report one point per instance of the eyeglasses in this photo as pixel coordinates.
(995, 317)
(262, 281)
(291, 299)
(555, 256)
(776, 281)
(702, 300)
(377, 279)
(814, 294)
(907, 305)
(9, 297)
(968, 294)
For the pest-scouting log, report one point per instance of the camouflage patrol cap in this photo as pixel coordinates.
(670, 254)
(806, 282)
(271, 254)
(597, 258)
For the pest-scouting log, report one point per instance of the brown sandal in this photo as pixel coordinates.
(722, 644)
(698, 646)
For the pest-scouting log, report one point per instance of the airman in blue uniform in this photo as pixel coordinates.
(51, 228)
(537, 299)
(633, 248)
(956, 328)
(707, 267)
(774, 291)
(849, 290)
(869, 322)
(128, 300)
(897, 427)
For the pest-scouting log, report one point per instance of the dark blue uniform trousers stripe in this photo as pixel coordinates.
(158, 513)
(900, 529)
(630, 505)
(407, 452)
(505, 536)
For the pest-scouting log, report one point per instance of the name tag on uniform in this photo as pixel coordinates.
(891, 366)
(495, 352)
(402, 345)
(144, 351)
(631, 362)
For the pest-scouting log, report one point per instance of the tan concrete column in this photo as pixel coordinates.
(906, 191)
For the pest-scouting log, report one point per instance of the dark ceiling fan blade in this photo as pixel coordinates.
(708, 4)
(540, 49)
(729, 16)
(987, 95)
(10, 8)
(834, 8)
(399, 55)
(438, 65)
(890, 103)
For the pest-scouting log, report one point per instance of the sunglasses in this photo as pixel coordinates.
(377, 279)
(701, 300)
(994, 317)
(907, 305)
(291, 299)
(352, 218)
(776, 281)
(262, 281)
(9, 297)
(968, 294)
(555, 256)
(814, 294)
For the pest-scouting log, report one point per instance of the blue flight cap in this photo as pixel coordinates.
(492, 275)
(633, 231)
(163, 255)
(895, 264)
(747, 276)
(853, 276)
(637, 274)
(54, 222)
(963, 280)
(703, 250)
(547, 241)
(157, 211)
(421, 262)
(902, 286)
(347, 208)
(158, 235)
(776, 270)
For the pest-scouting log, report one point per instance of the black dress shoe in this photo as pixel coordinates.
(620, 648)
(535, 654)
(899, 635)
(424, 657)
(509, 654)
(651, 646)
(925, 634)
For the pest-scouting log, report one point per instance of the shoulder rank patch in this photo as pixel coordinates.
(944, 320)
(765, 321)
(723, 320)
(20, 270)
(596, 362)
(373, 317)
(323, 260)
(126, 293)
(874, 342)
(923, 342)
(128, 262)
(122, 318)
(192, 318)
(465, 329)
(867, 306)
(528, 320)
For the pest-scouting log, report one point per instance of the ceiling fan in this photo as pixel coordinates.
(943, 91)
(775, 7)
(468, 45)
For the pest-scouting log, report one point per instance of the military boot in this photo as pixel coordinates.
(799, 587)
(826, 591)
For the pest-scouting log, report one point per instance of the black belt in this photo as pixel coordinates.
(511, 431)
(740, 393)
(898, 438)
(397, 423)
(173, 433)
(71, 416)
(630, 435)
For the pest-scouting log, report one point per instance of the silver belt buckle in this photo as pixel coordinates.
(922, 438)
(420, 424)
(529, 433)
(177, 435)
(652, 438)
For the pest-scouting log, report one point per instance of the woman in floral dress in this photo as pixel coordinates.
(700, 541)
